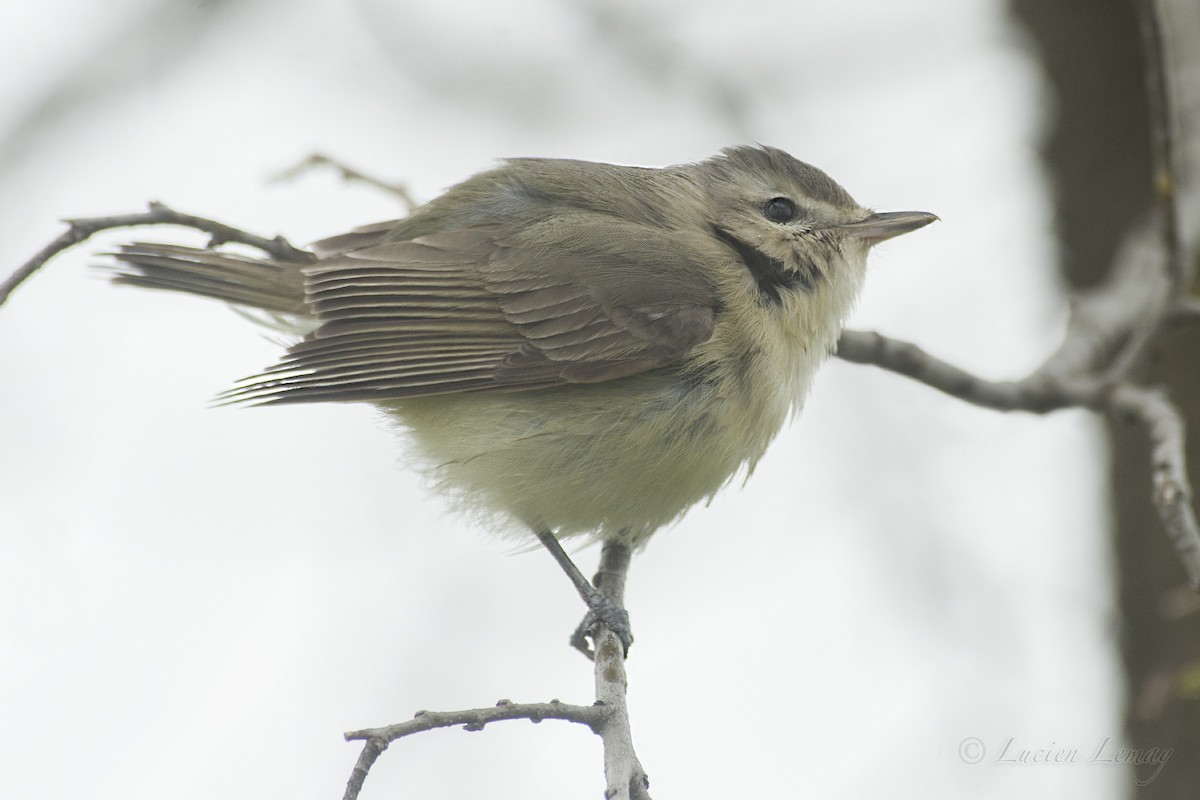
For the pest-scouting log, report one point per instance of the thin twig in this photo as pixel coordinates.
(1042, 393)
(348, 173)
(608, 717)
(79, 230)
(475, 719)
(1039, 393)
(376, 740)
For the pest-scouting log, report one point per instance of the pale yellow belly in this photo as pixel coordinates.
(616, 460)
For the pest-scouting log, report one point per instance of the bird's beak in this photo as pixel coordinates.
(884, 225)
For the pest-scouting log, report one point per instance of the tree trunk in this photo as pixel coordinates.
(1097, 156)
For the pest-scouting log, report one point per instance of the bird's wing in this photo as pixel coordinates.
(574, 299)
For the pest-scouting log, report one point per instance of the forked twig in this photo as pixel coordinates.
(608, 717)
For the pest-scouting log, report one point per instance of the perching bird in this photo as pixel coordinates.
(572, 348)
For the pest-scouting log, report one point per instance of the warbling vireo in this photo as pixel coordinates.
(572, 348)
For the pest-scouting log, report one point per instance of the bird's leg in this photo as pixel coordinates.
(604, 599)
(610, 581)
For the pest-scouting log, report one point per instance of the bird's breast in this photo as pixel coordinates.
(622, 458)
(617, 460)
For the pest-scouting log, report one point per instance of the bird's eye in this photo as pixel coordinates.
(779, 209)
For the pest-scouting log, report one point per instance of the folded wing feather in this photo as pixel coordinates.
(570, 300)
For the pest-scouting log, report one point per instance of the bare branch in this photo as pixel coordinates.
(1111, 328)
(79, 230)
(1171, 256)
(608, 717)
(1172, 487)
(475, 719)
(376, 740)
(1111, 325)
(1039, 393)
(623, 773)
(362, 767)
(349, 173)
(1163, 123)
(1180, 22)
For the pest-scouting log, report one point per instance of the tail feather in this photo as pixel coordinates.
(272, 286)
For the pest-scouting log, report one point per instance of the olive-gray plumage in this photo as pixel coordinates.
(576, 347)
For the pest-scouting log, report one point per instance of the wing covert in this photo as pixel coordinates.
(569, 300)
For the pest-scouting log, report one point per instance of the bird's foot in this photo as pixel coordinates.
(602, 612)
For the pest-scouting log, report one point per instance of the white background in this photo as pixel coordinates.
(196, 602)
